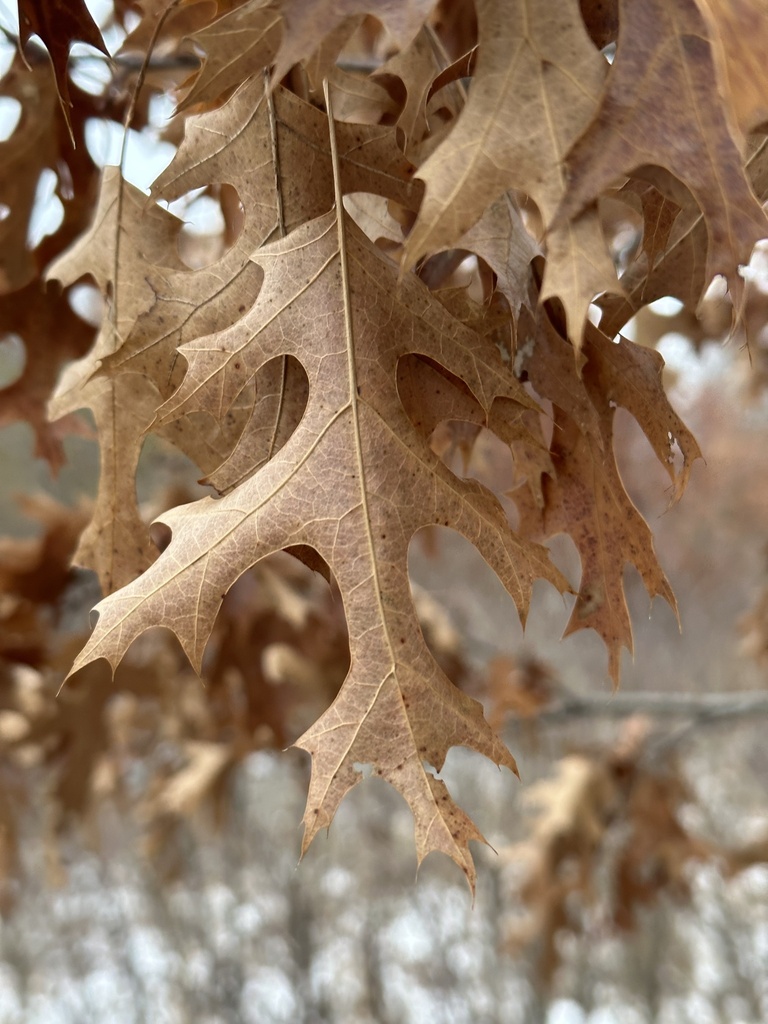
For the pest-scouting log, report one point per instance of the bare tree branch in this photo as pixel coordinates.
(703, 707)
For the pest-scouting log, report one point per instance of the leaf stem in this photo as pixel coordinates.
(269, 93)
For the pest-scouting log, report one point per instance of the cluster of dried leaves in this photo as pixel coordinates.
(607, 838)
(419, 211)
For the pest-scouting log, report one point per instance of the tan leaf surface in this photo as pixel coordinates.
(372, 215)
(189, 304)
(307, 22)
(429, 396)
(241, 145)
(532, 461)
(126, 234)
(360, 99)
(740, 37)
(587, 500)
(537, 85)
(237, 46)
(280, 164)
(164, 24)
(416, 67)
(280, 401)
(546, 359)
(355, 482)
(659, 214)
(630, 375)
(578, 269)
(658, 110)
(681, 269)
(116, 544)
(585, 489)
(500, 238)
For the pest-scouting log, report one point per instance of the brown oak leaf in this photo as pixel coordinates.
(740, 37)
(586, 499)
(125, 233)
(536, 87)
(355, 481)
(59, 26)
(237, 46)
(277, 157)
(657, 110)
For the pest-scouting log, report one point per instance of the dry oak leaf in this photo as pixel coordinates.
(429, 396)
(432, 397)
(578, 269)
(307, 22)
(276, 154)
(360, 99)
(38, 569)
(126, 235)
(585, 496)
(443, 410)
(536, 87)
(658, 211)
(416, 67)
(681, 269)
(571, 813)
(237, 46)
(373, 216)
(740, 37)
(355, 481)
(546, 359)
(586, 499)
(255, 427)
(188, 304)
(116, 544)
(161, 31)
(59, 25)
(500, 238)
(279, 162)
(630, 375)
(464, 67)
(660, 108)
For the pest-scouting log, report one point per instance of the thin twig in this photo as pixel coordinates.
(702, 707)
